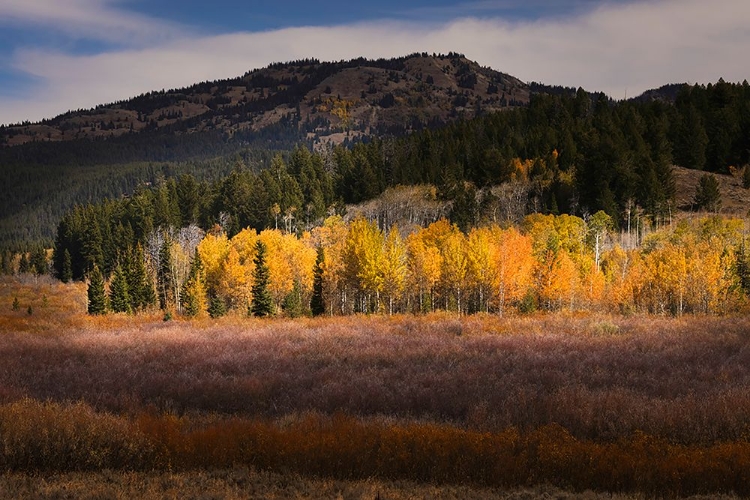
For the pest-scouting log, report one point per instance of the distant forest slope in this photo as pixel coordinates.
(580, 152)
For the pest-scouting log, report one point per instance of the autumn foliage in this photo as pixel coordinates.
(550, 262)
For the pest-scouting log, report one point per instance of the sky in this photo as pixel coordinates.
(60, 55)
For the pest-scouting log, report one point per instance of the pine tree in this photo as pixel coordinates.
(38, 261)
(165, 276)
(216, 306)
(293, 302)
(97, 297)
(119, 296)
(707, 194)
(140, 282)
(262, 303)
(317, 303)
(24, 266)
(194, 289)
(67, 268)
(7, 267)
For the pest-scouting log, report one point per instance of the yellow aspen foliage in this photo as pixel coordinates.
(436, 233)
(302, 254)
(424, 264)
(541, 229)
(235, 282)
(562, 231)
(289, 259)
(512, 266)
(244, 243)
(708, 283)
(394, 268)
(213, 250)
(331, 236)
(480, 253)
(572, 233)
(455, 272)
(665, 285)
(364, 260)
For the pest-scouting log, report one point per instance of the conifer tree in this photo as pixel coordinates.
(194, 289)
(293, 301)
(38, 261)
(216, 306)
(262, 303)
(7, 267)
(24, 266)
(97, 297)
(66, 273)
(164, 275)
(707, 194)
(140, 282)
(119, 296)
(317, 303)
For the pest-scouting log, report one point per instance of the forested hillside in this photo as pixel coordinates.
(564, 152)
(87, 155)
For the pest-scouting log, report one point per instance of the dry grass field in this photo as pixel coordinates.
(635, 405)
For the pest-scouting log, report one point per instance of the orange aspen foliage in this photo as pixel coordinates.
(512, 266)
(591, 281)
(559, 281)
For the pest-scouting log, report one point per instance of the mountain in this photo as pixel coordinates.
(309, 99)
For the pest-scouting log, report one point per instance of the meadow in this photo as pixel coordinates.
(627, 404)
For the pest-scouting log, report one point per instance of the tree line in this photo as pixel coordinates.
(588, 153)
(547, 263)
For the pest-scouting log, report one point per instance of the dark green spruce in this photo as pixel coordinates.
(262, 303)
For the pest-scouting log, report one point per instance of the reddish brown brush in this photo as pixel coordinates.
(343, 447)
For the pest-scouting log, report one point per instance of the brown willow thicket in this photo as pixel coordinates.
(550, 262)
(74, 438)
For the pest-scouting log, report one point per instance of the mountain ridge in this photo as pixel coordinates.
(324, 101)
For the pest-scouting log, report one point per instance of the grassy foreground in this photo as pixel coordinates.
(243, 483)
(632, 405)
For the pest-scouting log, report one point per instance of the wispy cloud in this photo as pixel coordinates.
(102, 20)
(616, 48)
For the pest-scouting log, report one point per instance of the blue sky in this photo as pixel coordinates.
(57, 55)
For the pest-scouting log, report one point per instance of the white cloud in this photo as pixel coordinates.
(615, 48)
(100, 20)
